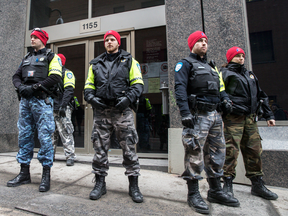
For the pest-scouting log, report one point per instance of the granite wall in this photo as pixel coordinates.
(224, 23)
(12, 25)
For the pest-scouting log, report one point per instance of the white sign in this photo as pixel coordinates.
(90, 25)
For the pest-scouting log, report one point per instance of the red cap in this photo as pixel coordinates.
(115, 34)
(63, 59)
(194, 37)
(41, 34)
(232, 52)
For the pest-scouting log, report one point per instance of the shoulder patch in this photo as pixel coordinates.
(69, 75)
(59, 60)
(178, 66)
(251, 76)
(138, 65)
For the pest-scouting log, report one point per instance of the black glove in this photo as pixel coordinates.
(123, 103)
(189, 121)
(97, 103)
(62, 112)
(26, 91)
(226, 106)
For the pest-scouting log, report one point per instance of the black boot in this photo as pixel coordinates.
(134, 190)
(194, 198)
(99, 188)
(45, 181)
(228, 186)
(217, 195)
(22, 178)
(259, 189)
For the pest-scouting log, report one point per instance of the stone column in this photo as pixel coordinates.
(12, 25)
(225, 24)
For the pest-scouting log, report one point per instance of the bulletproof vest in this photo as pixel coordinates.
(111, 82)
(35, 68)
(203, 79)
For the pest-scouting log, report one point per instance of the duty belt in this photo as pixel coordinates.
(40, 94)
(204, 106)
(110, 103)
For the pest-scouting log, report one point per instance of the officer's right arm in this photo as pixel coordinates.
(182, 70)
(89, 88)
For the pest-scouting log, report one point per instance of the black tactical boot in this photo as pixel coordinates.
(228, 186)
(217, 195)
(259, 189)
(22, 178)
(45, 181)
(194, 198)
(99, 188)
(134, 190)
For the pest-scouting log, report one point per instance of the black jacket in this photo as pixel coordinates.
(112, 79)
(243, 89)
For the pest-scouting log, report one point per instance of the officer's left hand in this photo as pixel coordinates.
(62, 112)
(226, 106)
(123, 103)
(26, 91)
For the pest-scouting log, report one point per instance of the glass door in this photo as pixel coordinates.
(76, 61)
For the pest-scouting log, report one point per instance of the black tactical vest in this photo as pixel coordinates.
(111, 83)
(203, 79)
(35, 68)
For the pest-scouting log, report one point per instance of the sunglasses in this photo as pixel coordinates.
(39, 30)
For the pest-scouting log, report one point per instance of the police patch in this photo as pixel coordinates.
(42, 59)
(69, 75)
(59, 60)
(138, 67)
(178, 66)
(251, 76)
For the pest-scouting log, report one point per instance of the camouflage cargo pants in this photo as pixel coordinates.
(66, 137)
(105, 121)
(241, 132)
(35, 113)
(204, 147)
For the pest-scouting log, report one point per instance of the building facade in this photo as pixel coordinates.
(155, 32)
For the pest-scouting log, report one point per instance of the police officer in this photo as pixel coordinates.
(63, 107)
(144, 109)
(202, 135)
(113, 84)
(37, 74)
(241, 131)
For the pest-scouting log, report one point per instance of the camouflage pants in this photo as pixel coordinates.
(35, 113)
(241, 132)
(105, 121)
(66, 138)
(204, 147)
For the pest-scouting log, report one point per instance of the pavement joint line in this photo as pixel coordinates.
(26, 210)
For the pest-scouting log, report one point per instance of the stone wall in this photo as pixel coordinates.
(12, 25)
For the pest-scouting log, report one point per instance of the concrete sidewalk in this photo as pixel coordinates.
(164, 194)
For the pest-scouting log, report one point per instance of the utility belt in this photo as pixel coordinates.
(110, 103)
(40, 95)
(209, 107)
(197, 105)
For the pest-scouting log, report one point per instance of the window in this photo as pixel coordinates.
(101, 8)
(47, 12)
(262, 47)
